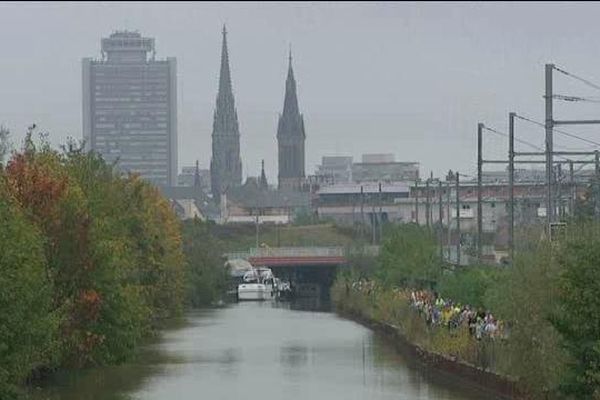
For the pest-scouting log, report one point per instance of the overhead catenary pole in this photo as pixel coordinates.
(362, 211)
(559, 205)
(449, 226)
(572, 197)
(458, 218)
(432, 198)
(373, 221)
(596, 185)
(257, 212)
(441, 220)
(417, 201)
(427, 203)
(511, 183)
(549, 125)
(479, 189)
(380, 217)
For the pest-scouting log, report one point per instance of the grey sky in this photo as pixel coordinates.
(411, 79)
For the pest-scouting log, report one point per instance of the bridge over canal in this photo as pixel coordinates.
(301, 256)
(303, 265)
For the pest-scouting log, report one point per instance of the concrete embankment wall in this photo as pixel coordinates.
(487, 380)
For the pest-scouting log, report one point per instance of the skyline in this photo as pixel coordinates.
(409, 79)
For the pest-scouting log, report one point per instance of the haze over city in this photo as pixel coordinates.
(353, 200)
(405, 78)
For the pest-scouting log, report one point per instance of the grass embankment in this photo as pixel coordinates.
(242, 237)
(547, 299)
(392, 307)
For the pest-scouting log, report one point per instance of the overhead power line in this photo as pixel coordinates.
(583, 80)
(575, 98)
(572, 135)
(516, 139)
(520, 140)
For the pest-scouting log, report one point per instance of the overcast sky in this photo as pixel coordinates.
(411, 79)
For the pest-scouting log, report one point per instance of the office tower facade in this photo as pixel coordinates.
(130, 107)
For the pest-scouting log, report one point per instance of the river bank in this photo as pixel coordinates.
(387, 315)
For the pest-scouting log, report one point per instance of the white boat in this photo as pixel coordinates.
(258, 284)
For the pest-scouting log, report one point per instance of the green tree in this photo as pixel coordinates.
(409, 257)
(50, 198)
(206, 277)
(88, 260)
(157, 247)
(28, 327)
(469, 285)
(123, 315)
(526, 298)
(578, 317)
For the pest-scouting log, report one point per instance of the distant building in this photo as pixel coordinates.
(312, 183)
(383, 168)
(520, 175)
(189, 176)
(290, 138)
(226, 164)
(339, 168)
(378, 158)
(130, 107)
(364, 203)
(244, 204)
(186, 209)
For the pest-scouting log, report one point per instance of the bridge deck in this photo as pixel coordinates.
(298, 256)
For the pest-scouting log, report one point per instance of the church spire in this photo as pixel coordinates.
(225, 113)
(263, 177)
(226, 164)
(225, 90)
(290, 103)
(291, 136)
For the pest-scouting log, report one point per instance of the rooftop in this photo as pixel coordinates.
(355, 188)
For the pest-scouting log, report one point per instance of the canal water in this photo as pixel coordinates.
(262, 351)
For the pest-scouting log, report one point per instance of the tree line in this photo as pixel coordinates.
(91, 261)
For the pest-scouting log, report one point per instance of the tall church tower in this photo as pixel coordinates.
(226, 164)
(291, 137)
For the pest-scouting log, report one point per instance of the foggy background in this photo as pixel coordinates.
(405, 78)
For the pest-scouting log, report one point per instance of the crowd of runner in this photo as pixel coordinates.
(438, 311)
(443, 312)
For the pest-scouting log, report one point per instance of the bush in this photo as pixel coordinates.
(468, 285)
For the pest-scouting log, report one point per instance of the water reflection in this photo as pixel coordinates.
(293, 356)
(308, 304)
(266, 351)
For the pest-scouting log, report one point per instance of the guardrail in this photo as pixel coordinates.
(332, 251)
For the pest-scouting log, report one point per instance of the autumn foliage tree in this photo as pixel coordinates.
(28, 327)
(104, 249)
